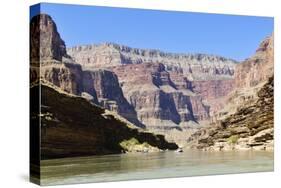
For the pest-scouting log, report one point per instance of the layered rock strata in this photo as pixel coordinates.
(197, 66)
(45, 41)
(251, 127)
(246, 121)
(148, 87)
(54, 65)
(164, 88)
(72, 126)
(155, 90)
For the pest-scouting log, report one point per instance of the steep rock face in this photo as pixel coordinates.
(71, 126)
(56, 66)
(165, 94)
(213, 93)
(250, 127)
(109, 93)
(213, 89)
(258, 68)
(48, 56)
(198, 106)
(64, 75)
(101, 86)
(155, 97)
(196, 66)
(246, 120)
(249, 77)
(45, 41)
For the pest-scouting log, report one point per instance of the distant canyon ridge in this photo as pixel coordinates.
(168, 93)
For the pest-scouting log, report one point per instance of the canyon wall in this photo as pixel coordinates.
(150, 88)
(54, 65)
(166, 89)
(154, 90)
(72, 121)
(71, 126)
(196, 66)
(258, 68)
(247, 119)
(250, 127)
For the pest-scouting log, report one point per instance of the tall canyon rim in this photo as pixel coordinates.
(186, 97)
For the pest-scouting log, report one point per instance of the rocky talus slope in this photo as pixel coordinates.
(250, 127)
(72, 126)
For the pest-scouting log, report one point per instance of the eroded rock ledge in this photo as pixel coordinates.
(72, 126)
(251, 127)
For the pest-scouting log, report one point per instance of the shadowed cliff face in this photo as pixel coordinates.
(109, 93)
(71, 126)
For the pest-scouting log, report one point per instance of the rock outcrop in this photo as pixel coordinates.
(156, 99)
(67, 76)
(213, 93)
(246, 121)
(72, 126)
(109, 93)
(258, 68)
(249, 77)
(102, 86)
(250, 127)
(45, 41)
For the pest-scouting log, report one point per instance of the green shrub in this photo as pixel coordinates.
(233, 139)
(129, 143)
(134, 145)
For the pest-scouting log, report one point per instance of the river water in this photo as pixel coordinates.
(153, 165)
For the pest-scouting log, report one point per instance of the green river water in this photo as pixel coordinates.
(153, 165)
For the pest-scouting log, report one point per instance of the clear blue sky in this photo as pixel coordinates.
(234, 37)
